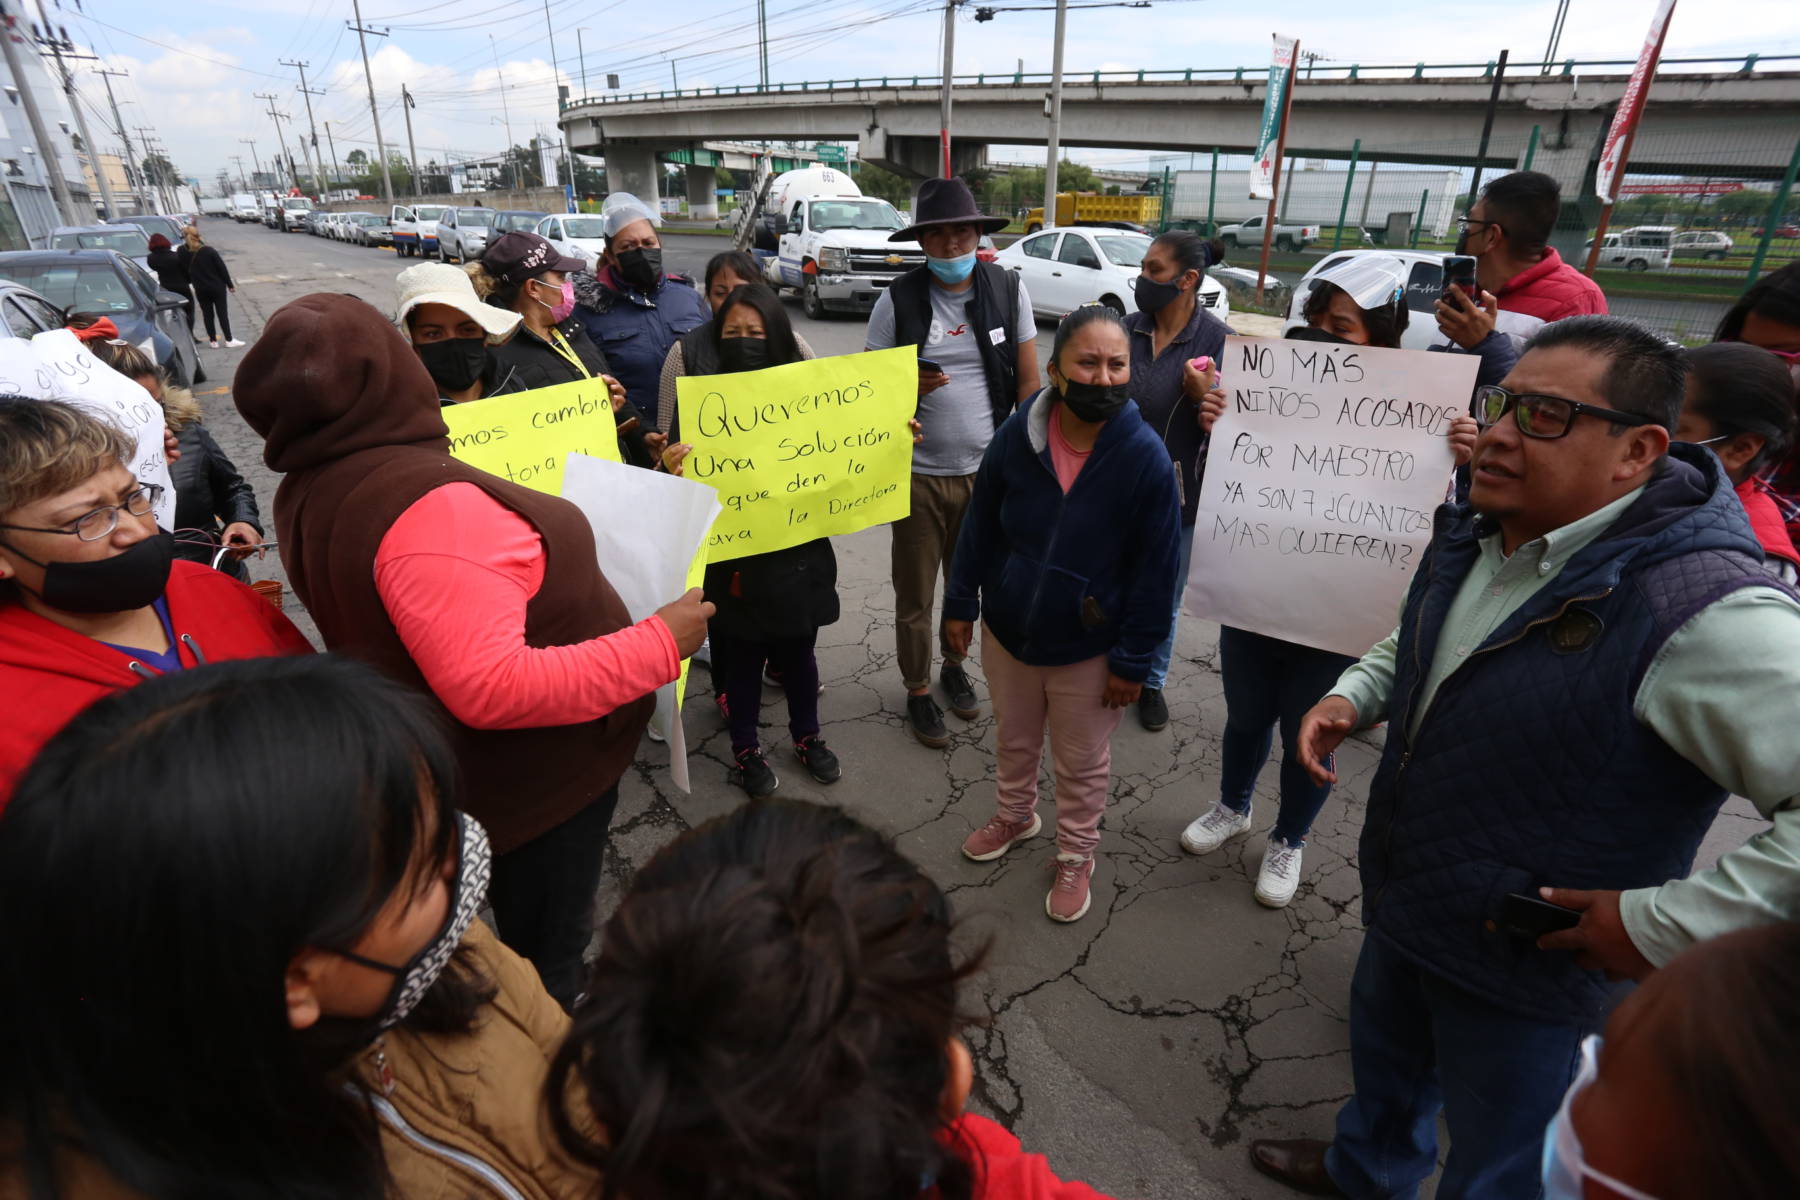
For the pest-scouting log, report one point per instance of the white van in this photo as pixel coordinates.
(1616, 251)
(415, 229)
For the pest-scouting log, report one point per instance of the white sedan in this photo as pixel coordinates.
(578, 235)
(1064, 269)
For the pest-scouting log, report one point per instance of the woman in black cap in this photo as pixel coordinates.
(524, 273)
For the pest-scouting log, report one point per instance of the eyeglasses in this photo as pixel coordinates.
(1545, 417)
(98, 525)
(1463, 224)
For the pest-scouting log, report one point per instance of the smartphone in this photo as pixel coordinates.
(1459, 272)
(930, 366)
(1532, 918)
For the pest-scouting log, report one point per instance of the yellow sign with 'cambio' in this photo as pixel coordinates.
(526, 436)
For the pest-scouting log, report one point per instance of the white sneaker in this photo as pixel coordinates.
(1279, 874)
(233, 342)
(703, 655)
(214, 343)
(1217, 827)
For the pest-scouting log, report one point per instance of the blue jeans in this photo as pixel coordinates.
(1165, 653)
(1418, 1044)
(1269, 682)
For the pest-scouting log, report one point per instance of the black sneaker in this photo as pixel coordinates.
(959, 691)
(1153, 710)
(818, 759)
(754, 774)
(927, 721)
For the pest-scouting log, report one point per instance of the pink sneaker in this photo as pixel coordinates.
(1068, 899)
(997, 837)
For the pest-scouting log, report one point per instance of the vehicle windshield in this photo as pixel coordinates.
(367, 219)
(125, 241)
(1125, 249)
(429, 212)
(167, 226)
(525, 222)
(300, 202)
(474, 216)
(584, 227)
(855, 214)
(77, 287)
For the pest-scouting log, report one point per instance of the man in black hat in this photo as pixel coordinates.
(976, 335)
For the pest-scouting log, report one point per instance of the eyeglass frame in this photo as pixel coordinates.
(1463, 222)
(152, 492)
(1612, 416)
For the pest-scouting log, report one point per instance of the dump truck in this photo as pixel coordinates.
(1091, 208)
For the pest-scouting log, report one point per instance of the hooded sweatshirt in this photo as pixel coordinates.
(212, 617)
(483, 594)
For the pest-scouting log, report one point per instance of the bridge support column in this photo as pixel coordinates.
(918, 158)
(702, 192)
(634, 169)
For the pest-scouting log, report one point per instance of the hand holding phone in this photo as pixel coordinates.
(1530, 917)
(1459, 273)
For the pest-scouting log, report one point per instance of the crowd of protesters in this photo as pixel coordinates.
(304, 924)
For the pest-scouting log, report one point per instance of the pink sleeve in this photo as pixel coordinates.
(454, 573)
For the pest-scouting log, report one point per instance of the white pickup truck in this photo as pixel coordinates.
(833, 242)
(1250, 233)
(415, 229)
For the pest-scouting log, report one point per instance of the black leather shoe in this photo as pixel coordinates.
(959, 691)
(1297, 1162)
(1153, 710)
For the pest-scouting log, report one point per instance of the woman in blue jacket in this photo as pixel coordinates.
(1068, 553)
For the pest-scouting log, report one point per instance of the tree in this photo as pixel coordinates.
(1747, 207)
(358, 159)
(160, 171)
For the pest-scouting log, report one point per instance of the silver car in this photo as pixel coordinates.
(463, 233)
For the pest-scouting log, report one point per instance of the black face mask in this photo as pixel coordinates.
(128, 580)
(1153, 297)
(1092, 403)
(455, 363)
(744, 353)
(1306, 333)
(642, 268)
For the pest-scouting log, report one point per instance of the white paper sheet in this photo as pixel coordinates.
(56, 366)
(650, 533)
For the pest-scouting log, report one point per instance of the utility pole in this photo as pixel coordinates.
(412, 151)
(387, 182)
(133, 175)
(762, 38)
(157, 176)
(555, 78)
(280, 138)
(1053, 107)
(87, 139)
(329, 142)
(254, 158)
(309, 93)
(949, 64)
(59, 190)
(581, 52)
(239, 160)
(504, 110)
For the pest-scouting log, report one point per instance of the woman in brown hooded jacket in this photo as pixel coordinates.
(481, 592)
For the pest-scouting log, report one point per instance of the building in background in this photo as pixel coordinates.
(30, 207)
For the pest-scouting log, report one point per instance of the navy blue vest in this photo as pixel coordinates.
(1529, 768)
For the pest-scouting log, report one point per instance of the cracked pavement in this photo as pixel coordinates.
(1140, 1048)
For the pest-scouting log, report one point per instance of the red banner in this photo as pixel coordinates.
(1631, 106)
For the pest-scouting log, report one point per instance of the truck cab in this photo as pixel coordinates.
(294, 212)
(415, 229)
(833, 242)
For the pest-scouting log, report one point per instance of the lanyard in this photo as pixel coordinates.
(562, 347)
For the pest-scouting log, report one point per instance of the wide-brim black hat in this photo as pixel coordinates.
(947, 202)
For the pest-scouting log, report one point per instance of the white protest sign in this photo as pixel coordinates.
(1320, 483)
(650, 536)
(56, 366)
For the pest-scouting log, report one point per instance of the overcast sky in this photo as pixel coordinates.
(194, 79)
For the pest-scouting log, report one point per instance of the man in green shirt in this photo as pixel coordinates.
(1585, 664)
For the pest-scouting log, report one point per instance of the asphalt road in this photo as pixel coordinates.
(1141, 1048)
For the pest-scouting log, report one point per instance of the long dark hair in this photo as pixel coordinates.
(1744, 389)
(778, 329)
(768, 1020)
(1190, 251)
(737, 262)
(162, 862)
(1775, 296)
(1385, 322)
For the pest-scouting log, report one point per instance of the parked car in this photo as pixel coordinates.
(1616, 251)
(370, 229)
(151, 223)
(1782, 231)
(1424, 285)
(108, 283)
(1240, 286)
(271, 215)
(26, 314)
(462, 233)
(578, 235)
(1701, 243)
(509, 220)
(345, 227)
(1250, 233)
(129, 240)
(1066, 268)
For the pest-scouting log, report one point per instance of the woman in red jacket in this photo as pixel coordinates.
(1740, 402)
(91, 598)
(773, 1013)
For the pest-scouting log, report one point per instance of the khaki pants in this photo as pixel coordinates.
(923, 545)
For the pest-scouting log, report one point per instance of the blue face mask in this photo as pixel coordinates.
(1564, 1167)
(952, 270)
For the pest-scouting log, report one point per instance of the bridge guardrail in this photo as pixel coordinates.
(1741, 64)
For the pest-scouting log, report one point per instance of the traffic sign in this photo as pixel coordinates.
(829, 152)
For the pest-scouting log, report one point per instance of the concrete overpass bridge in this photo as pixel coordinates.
(1734, 118)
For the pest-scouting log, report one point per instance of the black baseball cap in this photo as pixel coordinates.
(517, 256)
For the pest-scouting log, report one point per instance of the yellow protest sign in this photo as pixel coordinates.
(527, 436)
(802, 451)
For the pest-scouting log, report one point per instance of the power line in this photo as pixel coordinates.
(217, 62)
